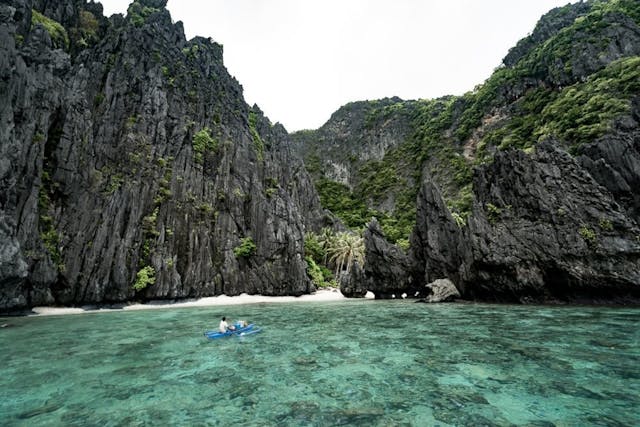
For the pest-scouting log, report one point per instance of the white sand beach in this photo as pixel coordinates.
(321, 295)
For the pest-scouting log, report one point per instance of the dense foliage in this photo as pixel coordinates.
(203, 142)
(576, 114)
(326, 250)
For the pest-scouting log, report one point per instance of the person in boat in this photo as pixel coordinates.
(224, 326)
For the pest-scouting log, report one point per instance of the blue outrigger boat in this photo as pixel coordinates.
(237, 332)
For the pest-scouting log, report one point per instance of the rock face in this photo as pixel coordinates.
(438, 247)
(353, 285)
(551, 24)
(128, 157)
(529, 185)
(542, 229)
(386, 268)
(350, 138)
(614, 161)
(592, 47)
(358, 138)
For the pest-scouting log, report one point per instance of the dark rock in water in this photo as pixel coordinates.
(387, 268)
(442, 290)
(438, 247)
(132, 155)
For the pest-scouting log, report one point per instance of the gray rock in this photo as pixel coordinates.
(353, 285)
(356, 135)
(438, 246)
(387, 269)
(442, 290)
(614, 161)
(544, 229)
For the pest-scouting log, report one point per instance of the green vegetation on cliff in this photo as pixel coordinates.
(246, 248)
(577, 114)
(137, 13)
(258, 144)
(57, 32)
(569, 80)
(203, 142)
(144, 277)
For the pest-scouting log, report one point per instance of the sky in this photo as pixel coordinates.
(300, 60)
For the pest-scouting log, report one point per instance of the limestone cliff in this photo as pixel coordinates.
(132, 168)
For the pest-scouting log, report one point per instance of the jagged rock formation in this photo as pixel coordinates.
(438, 247)
(544, 229)
(349, 139)
(353, 284)
(614, 161)
(131, 167)
(530, 183)
(386, 267)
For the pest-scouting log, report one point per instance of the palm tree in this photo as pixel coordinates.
(325, 239)
(344, 250)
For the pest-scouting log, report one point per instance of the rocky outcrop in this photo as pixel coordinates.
(353, 284)
(548, 26)
(567, 45)
(354, 140)
(438, 247)
(387, 269)
(351, 136)
(542, 229)
(132, 168)
(442, 290)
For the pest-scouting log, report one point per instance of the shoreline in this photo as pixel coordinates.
(332, 294)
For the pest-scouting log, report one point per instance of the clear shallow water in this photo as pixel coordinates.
(363, 363)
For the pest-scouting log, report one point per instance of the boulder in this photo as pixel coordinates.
(442, 290)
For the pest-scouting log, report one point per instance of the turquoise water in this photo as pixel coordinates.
(369, 363)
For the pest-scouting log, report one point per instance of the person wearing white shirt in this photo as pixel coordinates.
(224, 326)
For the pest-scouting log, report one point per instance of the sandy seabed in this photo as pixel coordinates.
(321, 295)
